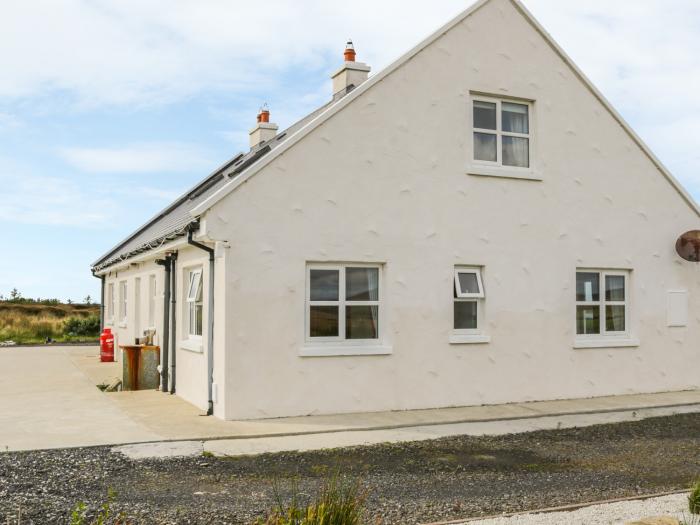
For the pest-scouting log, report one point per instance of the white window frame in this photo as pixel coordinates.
(468, 335)
(110, 303)
(339, 345)
(458, 288)
(123, 303)
(605, 338)
(152, 297)
(192, 301)
(497, 168)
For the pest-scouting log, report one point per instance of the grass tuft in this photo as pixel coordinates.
(339, 503)
(694, 498)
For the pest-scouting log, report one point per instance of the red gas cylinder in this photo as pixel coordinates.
(106, 345)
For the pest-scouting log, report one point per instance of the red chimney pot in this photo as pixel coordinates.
(349, 53)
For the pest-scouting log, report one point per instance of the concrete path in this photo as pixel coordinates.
(48, 399)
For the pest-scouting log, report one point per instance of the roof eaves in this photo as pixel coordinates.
(195, 190)
(150, 245)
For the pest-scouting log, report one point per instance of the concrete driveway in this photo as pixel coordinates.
(46, 401)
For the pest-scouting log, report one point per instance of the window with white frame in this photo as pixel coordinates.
(468, 292)
(122, 302)
(194, 302)
(110, 302)
(602, 303)
(152, 291)
(343, 302)
(501, 132)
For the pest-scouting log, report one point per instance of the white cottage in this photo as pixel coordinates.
(475, 224)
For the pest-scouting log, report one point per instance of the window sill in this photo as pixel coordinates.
(122, 325)
(502, 172)
(343, 350)
(606, 343)
(192, 345)
(469, 339)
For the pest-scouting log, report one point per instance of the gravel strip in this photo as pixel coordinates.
(407, 483)
(606, 514)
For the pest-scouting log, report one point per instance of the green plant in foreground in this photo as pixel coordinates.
(693, 519)
(694, 498)
(339, 503)
(79, 514)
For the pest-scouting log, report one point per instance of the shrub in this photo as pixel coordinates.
(339, 503)
(88, 326)
(694, 498)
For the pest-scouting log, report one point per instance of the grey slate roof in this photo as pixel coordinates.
(175, 220)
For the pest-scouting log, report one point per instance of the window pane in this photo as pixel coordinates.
(485, 115)
(614, 287)
(587, 320)
(198, 319)
(485, 147)
(468, 282)
(195, 291)
(323, 321)
(362, 284)
(361, 322)
(516, 152)
(615, 318)
(465, 315)
(514, 118)
(587, 286)
(324, 285)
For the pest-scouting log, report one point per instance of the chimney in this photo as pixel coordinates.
(351, 75)
(264, 130)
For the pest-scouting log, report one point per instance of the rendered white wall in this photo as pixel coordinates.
(385, 181)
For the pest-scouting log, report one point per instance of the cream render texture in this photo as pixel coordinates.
(386, 177)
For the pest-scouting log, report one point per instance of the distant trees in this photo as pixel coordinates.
(15, 297)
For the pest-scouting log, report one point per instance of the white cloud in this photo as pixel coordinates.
(138, 158)
(28, 198)
(31, 199)
(150, 52)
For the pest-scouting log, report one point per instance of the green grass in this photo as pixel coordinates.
(33, 323)
(694, 498)
(338, 503)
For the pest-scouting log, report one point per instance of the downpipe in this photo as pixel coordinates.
(102, 300)
(166, 264)
(210, 318)
(173, 323)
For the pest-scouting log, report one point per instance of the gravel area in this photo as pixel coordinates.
(405, 484)
(607, 514)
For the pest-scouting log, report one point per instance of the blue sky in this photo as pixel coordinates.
(111, 108)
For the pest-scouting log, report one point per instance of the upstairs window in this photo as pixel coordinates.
(194, 303)
(501, 132)
(343, 303)
(601, 303)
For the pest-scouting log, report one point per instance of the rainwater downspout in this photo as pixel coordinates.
(102, 301)
(210, 317)
(173, 312)
(165, 263)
